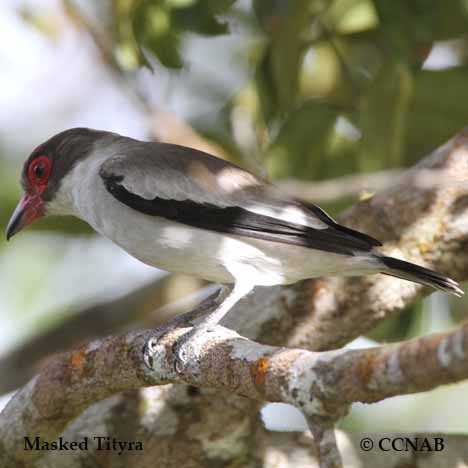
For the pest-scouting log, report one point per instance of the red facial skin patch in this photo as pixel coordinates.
(31, 206)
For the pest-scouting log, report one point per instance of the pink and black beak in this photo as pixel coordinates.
(29, 208)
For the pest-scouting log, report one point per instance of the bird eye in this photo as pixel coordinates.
(39, 170)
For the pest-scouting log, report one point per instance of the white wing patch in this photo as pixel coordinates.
(290, 214)
(232, 180)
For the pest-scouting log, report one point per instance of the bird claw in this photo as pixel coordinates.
(150, 348)
(181, 357)
(185, 349)
(148, 352)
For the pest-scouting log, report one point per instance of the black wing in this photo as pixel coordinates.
(322, 215)
(242, 222)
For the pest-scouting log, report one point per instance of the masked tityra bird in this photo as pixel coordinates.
(183, 210)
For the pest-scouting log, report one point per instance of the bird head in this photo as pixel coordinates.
(44, 172)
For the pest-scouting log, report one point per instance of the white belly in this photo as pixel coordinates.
(178, 248)
(183, 249)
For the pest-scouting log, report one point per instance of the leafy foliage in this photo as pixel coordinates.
(159, 25)
(318, 61)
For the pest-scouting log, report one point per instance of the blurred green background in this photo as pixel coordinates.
(303, 90)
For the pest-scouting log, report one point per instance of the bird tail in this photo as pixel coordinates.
(419, 274)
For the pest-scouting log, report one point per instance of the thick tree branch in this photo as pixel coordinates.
(322, 385)
(148, 306)
(354, 185)
(18, 366)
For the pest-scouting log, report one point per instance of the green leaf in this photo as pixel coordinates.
(300, 147)
(201, 17)
(437, 109)
(159, 25)
(277, 74)
(196, 20)
(383, 115)
(411, 26)
(152, 30)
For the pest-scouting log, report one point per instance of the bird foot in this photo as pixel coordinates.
(187, 350)
(151, 346)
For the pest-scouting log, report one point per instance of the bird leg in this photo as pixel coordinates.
(183, 349)
(182, 320)
(209, 304)
(209, 314)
